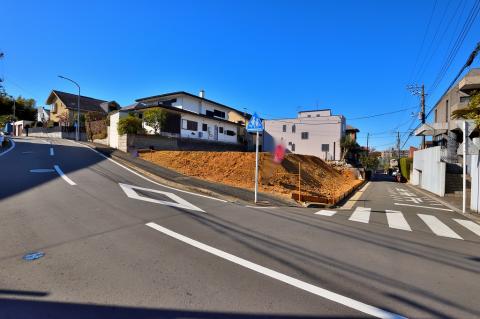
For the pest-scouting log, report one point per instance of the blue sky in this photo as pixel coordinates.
(273, 57)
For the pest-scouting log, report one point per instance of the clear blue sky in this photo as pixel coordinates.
(273, 57)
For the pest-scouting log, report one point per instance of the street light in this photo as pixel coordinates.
(77, 129)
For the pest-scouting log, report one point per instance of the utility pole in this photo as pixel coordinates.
(419, 91)
(398, 146)
(368, 150)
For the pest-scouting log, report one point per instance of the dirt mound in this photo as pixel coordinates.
(238, 169)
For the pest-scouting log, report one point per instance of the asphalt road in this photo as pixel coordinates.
(118, 245)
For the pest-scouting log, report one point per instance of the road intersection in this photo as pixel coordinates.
(117, 241)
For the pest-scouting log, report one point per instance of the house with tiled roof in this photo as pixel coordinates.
(63, 106)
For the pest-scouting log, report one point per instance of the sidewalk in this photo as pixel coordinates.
(452, 202)
(175, 179)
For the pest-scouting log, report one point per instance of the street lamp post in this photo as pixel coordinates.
(77, 129)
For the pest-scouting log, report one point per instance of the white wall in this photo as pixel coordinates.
(210, 133)
(429, 171)
(475, 183)
(112, 129)
(321, 130)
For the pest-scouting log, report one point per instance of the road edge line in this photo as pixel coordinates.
(321, 292)
(62, 175)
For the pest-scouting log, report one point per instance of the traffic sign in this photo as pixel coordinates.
(255, 124)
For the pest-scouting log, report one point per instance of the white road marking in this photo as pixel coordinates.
(42, 170)
(396, 220)
(349, 204)
(179, 202)
(325, 212)
(8, 149)
(437, 227)
(321, 292)
(62, 175)
(468, 224)
(148, 179)
(415, 200)
(51, 151)
(262, 207)
(27, 152)
(437, 208)
(361, 215)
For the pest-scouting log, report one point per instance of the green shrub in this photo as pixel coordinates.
(129, 125)
(405, 167)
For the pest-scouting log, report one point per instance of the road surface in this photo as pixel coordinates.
(117, 245)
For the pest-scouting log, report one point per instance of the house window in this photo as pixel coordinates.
(204, 127)
(435, 120)
(209, 113)
(220, 130)
(304, 135)
(293, 147)
(230, 133)
(284, 128)
(325, 147)
(293, 128)
(318, 115)
(218, 113)
(189, 125)
(309, 115)
(464, 99)
(140, 115)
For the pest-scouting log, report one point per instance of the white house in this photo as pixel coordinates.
(191, 116)
(316, 132)
(43, 115)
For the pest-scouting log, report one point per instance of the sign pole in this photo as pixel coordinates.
(464, 181)
(256, 167)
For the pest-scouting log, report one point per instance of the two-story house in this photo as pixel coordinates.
(64, 106)
(192, 116)
(316, 132)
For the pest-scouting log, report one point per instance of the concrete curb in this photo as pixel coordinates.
(172, 178)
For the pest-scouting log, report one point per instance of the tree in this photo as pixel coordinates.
(155, 118)
(347, 143)
(472, 111)
(24, 108)
(369, 162)
(129, 125)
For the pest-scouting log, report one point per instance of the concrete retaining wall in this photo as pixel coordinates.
(429, 171)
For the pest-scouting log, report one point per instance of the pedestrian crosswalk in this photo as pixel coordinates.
(397, 220)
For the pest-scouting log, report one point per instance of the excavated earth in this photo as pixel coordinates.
(238, 169)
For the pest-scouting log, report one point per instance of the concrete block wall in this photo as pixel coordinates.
(429, 171)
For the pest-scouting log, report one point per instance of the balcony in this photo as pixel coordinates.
(469, 83)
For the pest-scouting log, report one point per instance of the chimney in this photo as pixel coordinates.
(202, 94)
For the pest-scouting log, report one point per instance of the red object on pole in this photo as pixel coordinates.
(279, 154)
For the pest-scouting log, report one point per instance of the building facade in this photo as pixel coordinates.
(315, 133)
(196, 117)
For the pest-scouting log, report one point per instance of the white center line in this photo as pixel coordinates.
(397, 220)
(327, 294)
(437, 227)
(361, 215)
(51, 151)
(445, 209)
(325, 212)
(62, 175)
(468, 224)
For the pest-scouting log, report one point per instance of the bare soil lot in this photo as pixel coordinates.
(238, 169)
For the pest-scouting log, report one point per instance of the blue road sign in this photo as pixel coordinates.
(255, 124)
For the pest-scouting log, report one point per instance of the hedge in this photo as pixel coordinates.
(405, 167)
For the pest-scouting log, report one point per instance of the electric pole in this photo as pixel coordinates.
(398, 146)
(368, 150)
(420, 91)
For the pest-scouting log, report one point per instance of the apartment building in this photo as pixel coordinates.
(316, 132)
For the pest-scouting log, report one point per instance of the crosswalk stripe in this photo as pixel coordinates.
(361, 215)
(397, 220)
(437, 227)
(324, 212)
(468, 224)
